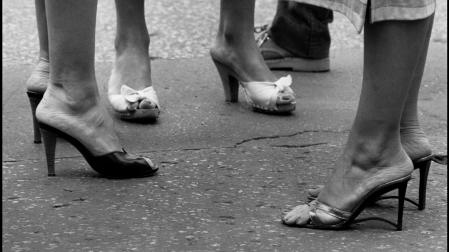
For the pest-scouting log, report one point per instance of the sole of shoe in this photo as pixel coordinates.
(299, 64)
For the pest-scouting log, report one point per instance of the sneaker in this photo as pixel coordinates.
(278, 58)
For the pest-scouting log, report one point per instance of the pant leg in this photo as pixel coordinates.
(302, 29)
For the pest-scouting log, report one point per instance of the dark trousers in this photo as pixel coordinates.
(302, 29)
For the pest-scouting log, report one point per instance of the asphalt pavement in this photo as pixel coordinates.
(226, 172)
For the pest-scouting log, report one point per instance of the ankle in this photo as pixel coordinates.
(235, 40)
(44, 56)
(410, 125)
(43, 65)
(367, 152)
(73, 99)
(233, 51)
(137, 41)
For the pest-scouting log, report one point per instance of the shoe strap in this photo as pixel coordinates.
(282, 84)
(261, 28)
(316, 205)
(439, 158)
(262, 37)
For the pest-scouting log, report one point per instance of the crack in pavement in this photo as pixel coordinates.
(236, 145)
(282, 136)
(297, 145)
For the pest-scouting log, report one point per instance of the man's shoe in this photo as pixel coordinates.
(278, 58)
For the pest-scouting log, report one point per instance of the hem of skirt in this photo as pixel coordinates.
(398, 13)
(378, 14)
(357, 19)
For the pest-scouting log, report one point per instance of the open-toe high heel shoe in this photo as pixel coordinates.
(135, 105)
(323, 216)
(421, 164)
(267, 97)
(117, 164)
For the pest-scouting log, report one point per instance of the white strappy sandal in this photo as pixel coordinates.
(268, 97)
(135, 105)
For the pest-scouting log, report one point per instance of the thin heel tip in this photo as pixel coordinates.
(37, 141)
(51, 175)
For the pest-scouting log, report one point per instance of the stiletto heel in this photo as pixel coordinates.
(230, 83)
(35, 98)
(423, 164)
(401, 199)
(117, 164)
(50, 149)
(423, 175)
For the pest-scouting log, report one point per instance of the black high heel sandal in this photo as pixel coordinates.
(35, 98)
(421, 164)
(344, 219)
(117, 164)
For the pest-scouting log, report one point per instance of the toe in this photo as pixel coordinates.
(153, 166)
(314, 191)
(132, 106)
(298, 215)
(285, 98)
(147, 104)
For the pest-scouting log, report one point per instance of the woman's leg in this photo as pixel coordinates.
(71, 102)
(239, 62)
(38, 79)
(132, 62)
(373, 154)
(235, 44)
(413, 139)
(42, 29)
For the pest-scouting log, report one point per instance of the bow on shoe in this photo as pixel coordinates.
(283, 83)
(131, 95)
(129, 101)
